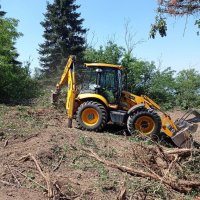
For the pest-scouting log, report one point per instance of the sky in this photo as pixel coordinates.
(106, 20)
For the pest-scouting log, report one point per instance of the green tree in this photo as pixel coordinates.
(16, 84)
(188, 89)
(63, 34)
(140, 74)
(162, 88)
(8, 36)
(144, 78)
(111, 53)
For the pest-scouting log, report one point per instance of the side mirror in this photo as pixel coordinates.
(98, 70)
(97, 86)
(94, 86)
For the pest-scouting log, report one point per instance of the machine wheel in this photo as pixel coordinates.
(147, 122)
(91, 116)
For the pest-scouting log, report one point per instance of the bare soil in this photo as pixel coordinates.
(43, 133)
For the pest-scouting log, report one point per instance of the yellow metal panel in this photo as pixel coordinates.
(131, 99)
(103, 65)
(71, 94)
(64, 77)
(167, 122)
(151, 102)
(166, 131)
(95, 96)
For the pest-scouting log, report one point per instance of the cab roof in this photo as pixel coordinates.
(103, 65)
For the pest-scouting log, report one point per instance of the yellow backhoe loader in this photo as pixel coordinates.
(101, 98)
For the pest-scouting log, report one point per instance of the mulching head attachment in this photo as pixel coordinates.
(186, 125)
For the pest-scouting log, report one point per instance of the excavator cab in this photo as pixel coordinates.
(103, 80)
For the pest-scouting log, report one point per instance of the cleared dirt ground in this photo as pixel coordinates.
(64, 157)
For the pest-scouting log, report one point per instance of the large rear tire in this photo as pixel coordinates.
(146, 122)
(91, 116)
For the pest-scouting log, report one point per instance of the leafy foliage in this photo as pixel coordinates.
(144, 78)
(8, 36)
(63, 34)
(197, 22)
(188, 88)
(162, 88)
(111, 53)
(16, 84)
(139, 75)
(159, 26)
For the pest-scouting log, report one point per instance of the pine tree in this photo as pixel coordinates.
(63, 34)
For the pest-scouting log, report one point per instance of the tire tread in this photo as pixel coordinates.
(103, 117)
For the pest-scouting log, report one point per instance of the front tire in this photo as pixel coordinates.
(91, 116)
(146, 122)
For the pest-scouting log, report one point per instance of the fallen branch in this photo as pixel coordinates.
(122, 192)
(18, 182)
(178, 185)
(160, 149)
(165, 152)
(55, 168)
(5, 143)
(46, 177)
(181, 151)
(7, 183)
(30, 137)
(30, 179)
(170, 167)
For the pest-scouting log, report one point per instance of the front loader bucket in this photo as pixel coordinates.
(183, 137)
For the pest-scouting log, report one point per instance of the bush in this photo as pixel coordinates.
(16, 85)
(188, 89)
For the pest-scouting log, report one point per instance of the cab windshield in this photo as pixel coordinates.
(104, 81)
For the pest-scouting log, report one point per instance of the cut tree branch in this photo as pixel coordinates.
(46, 177)
(174, 183)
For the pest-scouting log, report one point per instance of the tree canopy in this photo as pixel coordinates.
(110, 53)
(188, 88)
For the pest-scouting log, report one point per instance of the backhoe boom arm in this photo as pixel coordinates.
(64, 77)
(68, 78)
